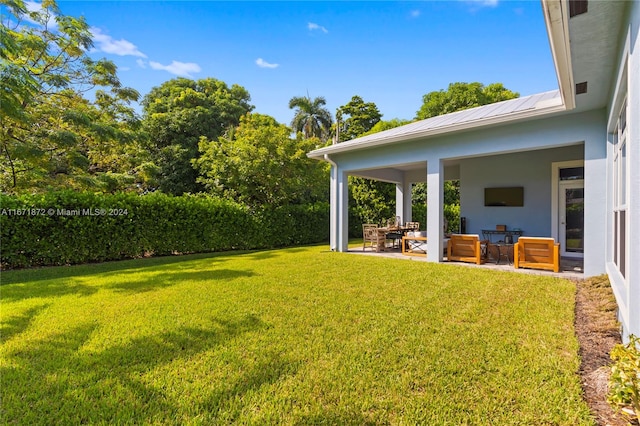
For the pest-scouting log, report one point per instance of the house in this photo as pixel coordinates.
(574, 152)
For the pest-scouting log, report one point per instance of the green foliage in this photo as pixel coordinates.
(68, 227)
(311, 118)
(177, 114)
(459, 96)
(356, 118)
(452, 217)
(370, 202)
(451, 205)
(50, 136)
(624, 382)
(383, 125)
(258, 163)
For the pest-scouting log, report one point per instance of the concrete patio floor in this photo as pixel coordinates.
(570, 268)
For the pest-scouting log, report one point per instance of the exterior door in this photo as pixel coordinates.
(571, 218)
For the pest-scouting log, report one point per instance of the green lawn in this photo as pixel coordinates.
(295, 336)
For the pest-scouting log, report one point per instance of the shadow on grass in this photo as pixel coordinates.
(18, 324)
(54, 381)
(63, 281)
(172, 278)
(270, 254)
(53, 288)
(115, 267)
(225, 403)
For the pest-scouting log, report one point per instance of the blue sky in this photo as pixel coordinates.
(389, 53)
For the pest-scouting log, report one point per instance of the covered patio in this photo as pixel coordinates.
(527, 143)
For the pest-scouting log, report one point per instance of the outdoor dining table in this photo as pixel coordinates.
(394, 233)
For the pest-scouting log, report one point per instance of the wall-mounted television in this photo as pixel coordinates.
(504, 197)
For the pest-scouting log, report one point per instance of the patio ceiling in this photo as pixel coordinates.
(415, 172)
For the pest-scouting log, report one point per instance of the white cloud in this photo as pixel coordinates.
(141, 63)
(178, 68)
(483, 3)
(33, 6)
(313, 27)
(264, 64)
(105, 43)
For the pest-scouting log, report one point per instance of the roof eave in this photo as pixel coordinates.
(453, 128)
(556, 16)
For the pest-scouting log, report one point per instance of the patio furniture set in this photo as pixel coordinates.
(377, 236)
(526, 252)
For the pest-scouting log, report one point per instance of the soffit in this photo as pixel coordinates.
(594, 38)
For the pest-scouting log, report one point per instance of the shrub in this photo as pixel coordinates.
(68, 227)
(624, 383)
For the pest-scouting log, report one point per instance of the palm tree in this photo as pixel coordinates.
(312, 118)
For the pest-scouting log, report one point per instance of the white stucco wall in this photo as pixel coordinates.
(531, 170)
(627, 289)
(551, 132)
(634, 171)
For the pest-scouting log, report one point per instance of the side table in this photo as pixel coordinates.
(503, 251)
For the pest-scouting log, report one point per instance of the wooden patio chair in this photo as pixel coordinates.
(412, 226)
(372, 234)
(537, 253)
(465, 248)
(393, 222)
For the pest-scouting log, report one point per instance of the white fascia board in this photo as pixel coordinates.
(556, 16)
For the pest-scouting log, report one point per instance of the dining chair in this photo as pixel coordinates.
(412, 226)
(372, 234)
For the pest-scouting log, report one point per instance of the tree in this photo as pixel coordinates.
(355, 118)
(181, 111)
(258, 163)
(459, 96)
(49, 132)
(311, 117)
(370, 199)
(383, 125)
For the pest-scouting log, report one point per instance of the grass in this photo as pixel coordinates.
(295, 336)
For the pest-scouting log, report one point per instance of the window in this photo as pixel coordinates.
(572, 173)
(620, 186)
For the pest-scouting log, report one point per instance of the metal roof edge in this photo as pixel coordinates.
(452, 128)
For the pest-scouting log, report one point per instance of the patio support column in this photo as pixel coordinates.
(595, 202)
(403, 201)
(435, 198)
(338, 210)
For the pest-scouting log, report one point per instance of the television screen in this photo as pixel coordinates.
(504, 197)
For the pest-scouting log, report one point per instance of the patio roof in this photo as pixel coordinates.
(473, 118)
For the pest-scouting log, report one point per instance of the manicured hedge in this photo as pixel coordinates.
(68, 227)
